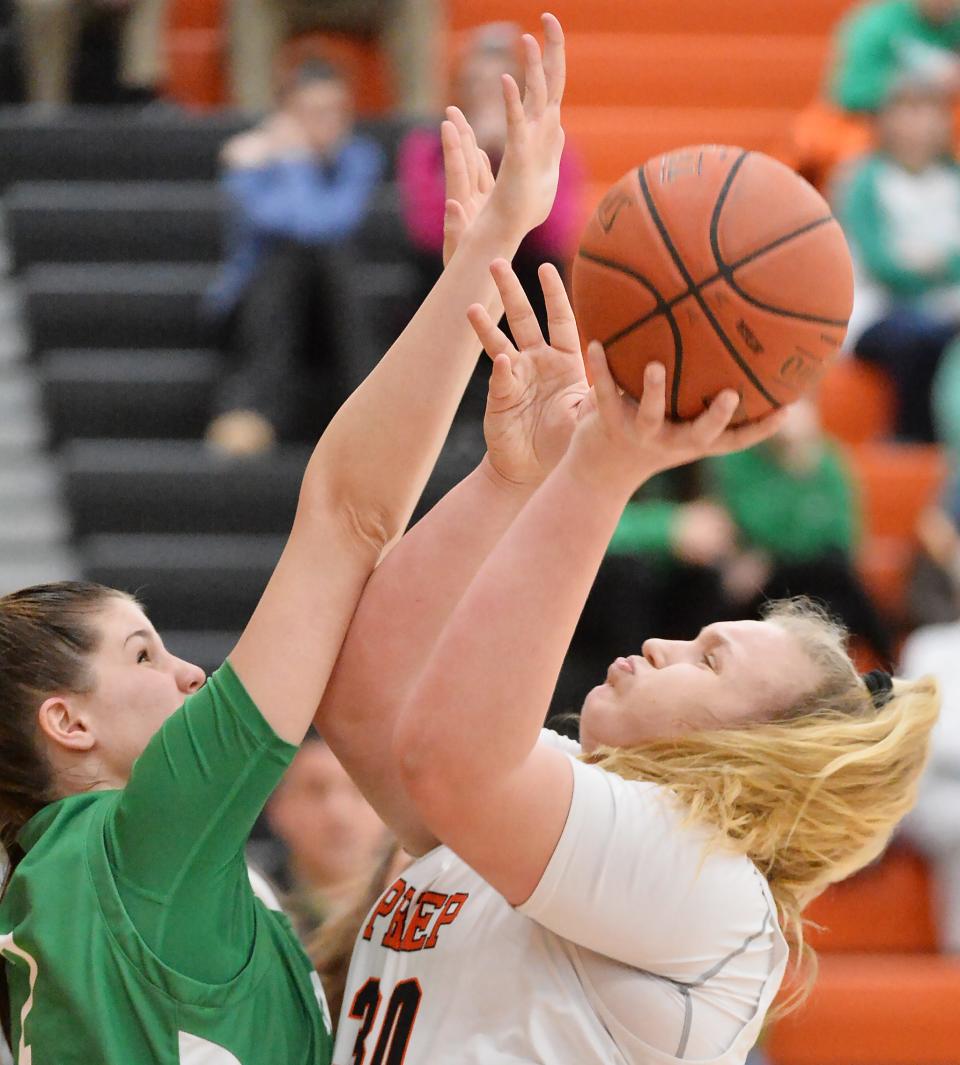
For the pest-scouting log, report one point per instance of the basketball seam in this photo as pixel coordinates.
(662, 308)
(695, 291)
(727, 272)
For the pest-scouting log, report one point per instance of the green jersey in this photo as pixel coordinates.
(130, 931)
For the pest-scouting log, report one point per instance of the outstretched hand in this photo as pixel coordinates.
(628, 441)
(527, 179)
(536, 386)
(468, 176)
(522, 196)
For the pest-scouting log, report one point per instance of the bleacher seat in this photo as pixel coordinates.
(206, 582)
(896, 481)
(856, 402)
(177, 486)
(150, 395)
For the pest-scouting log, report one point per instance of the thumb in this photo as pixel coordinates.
(501, 377)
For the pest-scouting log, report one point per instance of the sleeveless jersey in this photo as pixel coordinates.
(86, 988)
(642, 944)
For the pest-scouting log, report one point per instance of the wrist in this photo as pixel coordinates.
(600, 468)
(518, 492)
(499, 227)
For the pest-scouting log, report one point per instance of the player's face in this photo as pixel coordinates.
(138, 684)
(732, 673)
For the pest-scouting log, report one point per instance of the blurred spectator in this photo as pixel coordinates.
(491, 51)
(662, 576)
(793, 503)
(299, 186)
(51, 32)
(410, 30)
(332, 947)
(934, 824)
(331, 836)
(901, 212)
(882, 41)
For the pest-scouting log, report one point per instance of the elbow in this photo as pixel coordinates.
(417, 765)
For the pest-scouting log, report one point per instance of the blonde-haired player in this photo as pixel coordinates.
(636, 899)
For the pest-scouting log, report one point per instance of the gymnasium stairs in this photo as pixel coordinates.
(114, 232)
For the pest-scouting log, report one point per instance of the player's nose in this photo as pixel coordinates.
(190, 678)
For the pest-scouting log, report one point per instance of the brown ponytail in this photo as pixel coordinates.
(46, 638)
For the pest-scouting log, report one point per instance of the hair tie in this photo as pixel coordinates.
(880, 685)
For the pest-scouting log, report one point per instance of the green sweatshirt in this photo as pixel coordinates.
(791, 517)
(879, 41)
(869, 228)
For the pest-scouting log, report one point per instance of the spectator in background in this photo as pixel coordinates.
(901, 212)
(662, 576)
(331, 836)
(934, 823)
(410, 30)
(50, 32)
(490, 52)
(793, 504)
(298, 187)
(881, 42)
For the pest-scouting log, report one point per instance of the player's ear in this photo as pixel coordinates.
(63, 724)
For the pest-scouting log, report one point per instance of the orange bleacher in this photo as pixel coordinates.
(883, 995)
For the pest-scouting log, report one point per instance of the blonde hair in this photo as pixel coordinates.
(812, 795)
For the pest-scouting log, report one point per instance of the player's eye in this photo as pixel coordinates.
(710, 661)
(144, 656)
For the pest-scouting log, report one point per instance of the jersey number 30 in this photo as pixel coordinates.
(397, 1024)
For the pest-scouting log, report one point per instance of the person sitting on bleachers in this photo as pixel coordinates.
(881, 41)
(792, 502)
(299, 187)
(330, 836)
(662, 575)
(900, 209)
(50, 33)
(490, 52)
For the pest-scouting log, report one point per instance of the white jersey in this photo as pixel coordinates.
(639, 945)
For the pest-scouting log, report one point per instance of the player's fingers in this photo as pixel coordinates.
(455, 221)
(534, 79)
(454, 164)
(513, 104)
(523, 322)
(651, 409)
(486, 179)
(561, 324)
(554, 58)
(495, 342)
(708, 427)
(501, 377)
(605, 389)
(468, 144)
(745, 436)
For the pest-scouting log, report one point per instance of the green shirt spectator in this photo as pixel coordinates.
(881, 41)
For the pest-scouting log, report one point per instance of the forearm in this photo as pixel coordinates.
(403, 610)
(497, 661)
(383, 443)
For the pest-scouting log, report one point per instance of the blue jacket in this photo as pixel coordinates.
(306, 200)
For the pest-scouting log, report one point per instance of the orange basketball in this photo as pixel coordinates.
(724, 265)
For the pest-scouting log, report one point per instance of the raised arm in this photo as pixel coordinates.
(481, 782)
(372, 462)
(535, 395)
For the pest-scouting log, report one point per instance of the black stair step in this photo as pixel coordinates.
(186, 581)
(158, 305)
(138, 486)
(101, 144)
(153, 221)
(127, 394)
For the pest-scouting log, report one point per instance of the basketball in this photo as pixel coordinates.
(723, 264)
